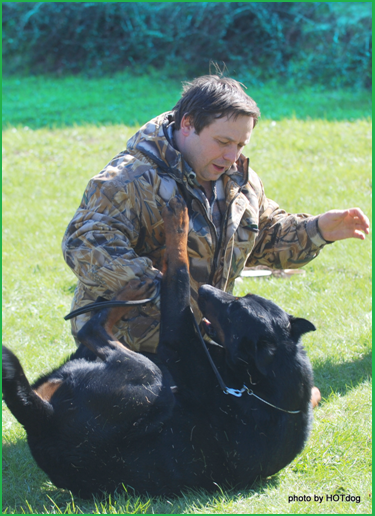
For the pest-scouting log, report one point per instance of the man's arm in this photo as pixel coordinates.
(291, 241)
(100, 241)
(285, 240)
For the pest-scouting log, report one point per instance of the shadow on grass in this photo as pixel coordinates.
(220, 501)
(191, 500)
(340, 378)
(26, 489)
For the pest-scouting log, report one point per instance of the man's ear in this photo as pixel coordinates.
(300, 326)
(186, 125)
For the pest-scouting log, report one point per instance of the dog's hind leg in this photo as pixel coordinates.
(315, 397)
(28, 407)
(97, 334)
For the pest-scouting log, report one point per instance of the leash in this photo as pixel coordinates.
(228, 390)
(98, 305)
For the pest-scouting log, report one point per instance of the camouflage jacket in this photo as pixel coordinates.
(117, 232)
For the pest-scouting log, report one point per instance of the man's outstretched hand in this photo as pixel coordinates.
(340, 224)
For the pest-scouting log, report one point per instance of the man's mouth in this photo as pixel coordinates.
(219, 168)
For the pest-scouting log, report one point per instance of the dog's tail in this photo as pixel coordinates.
(28, 408)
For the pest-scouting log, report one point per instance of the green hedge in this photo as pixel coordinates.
(326, 42)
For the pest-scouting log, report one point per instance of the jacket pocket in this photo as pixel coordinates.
(248, 225)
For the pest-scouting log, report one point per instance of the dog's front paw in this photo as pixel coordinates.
(175, 216)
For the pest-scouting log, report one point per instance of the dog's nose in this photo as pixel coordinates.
(204, 290)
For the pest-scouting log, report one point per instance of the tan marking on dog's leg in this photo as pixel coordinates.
(97, 333)
(48, 389)
(176, 225)
(315, 397)
(134, 290)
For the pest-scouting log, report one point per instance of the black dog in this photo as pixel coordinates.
(160, 423)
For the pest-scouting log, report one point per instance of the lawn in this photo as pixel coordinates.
(307, 163)
(41, 101)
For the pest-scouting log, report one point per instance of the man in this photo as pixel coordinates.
(195, 151)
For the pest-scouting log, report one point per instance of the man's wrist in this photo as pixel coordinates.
(313, 231)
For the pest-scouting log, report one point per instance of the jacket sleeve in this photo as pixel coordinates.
(100, 241)
(284, 241)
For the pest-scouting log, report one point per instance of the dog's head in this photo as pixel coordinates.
(251, 328)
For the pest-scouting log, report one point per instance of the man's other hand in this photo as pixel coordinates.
(340, 224)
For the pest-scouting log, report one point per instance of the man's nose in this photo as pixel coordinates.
(231, 154)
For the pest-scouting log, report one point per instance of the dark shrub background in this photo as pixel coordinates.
(327, 43)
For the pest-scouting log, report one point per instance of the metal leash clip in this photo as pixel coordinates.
(235, 392)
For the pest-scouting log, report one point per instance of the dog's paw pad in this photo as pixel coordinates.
(175, 215)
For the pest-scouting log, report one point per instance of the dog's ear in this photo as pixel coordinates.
(299, 326)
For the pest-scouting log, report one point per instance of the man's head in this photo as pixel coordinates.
(211, 97)
(213, 121)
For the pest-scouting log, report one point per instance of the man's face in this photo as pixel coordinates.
(214, 150)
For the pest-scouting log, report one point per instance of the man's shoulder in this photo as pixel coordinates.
(125, 168)
(151, 133)
(131, 176)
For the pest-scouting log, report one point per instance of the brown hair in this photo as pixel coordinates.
(209, 97)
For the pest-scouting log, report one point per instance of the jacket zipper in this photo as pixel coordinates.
(210, 225)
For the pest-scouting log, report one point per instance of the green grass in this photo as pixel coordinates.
(125, 99)
(306, 165)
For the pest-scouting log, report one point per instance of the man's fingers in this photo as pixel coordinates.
(358, 234)
(358, 215)
(362, 227)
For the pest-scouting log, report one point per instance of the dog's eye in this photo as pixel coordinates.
(233, 307)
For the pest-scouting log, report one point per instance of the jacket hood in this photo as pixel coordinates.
(153, 140)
